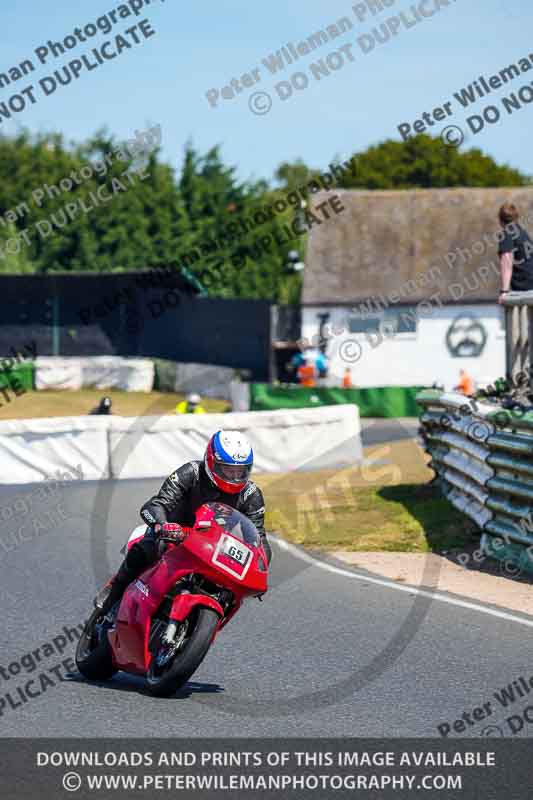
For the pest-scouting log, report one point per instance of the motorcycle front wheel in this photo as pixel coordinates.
(172, 665)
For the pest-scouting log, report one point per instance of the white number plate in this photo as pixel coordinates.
(233, 556)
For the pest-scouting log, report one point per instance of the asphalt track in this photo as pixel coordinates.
(328, 653)
(379, 431)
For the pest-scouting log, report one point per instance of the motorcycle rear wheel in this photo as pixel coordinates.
(164, 681)
(93, 655)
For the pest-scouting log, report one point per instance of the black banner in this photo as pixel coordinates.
(246, 768)
(154, 314)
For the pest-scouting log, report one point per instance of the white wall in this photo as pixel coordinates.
(411, 358)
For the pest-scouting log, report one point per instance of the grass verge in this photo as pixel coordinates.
(384, 505)
(51, 403)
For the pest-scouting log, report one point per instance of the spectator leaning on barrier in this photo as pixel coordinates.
(191, 405)
(516, 253)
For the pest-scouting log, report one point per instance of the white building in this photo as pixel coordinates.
(434, 348)
(404, 286)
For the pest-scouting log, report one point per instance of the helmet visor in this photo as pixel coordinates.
(232, 473)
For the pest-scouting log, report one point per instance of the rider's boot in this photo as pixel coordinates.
(113, 590)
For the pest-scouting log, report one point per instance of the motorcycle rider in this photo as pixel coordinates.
(222, 476)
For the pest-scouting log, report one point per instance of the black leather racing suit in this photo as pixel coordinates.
(180, 496)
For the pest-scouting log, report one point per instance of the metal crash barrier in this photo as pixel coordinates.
(483, 459)
(482, 454)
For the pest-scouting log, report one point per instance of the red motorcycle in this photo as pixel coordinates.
(169, 616)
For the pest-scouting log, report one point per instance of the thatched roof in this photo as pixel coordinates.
(382, 240)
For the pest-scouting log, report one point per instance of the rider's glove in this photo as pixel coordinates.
(170, 532)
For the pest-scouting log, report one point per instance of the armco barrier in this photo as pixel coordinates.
(483, 458)
(152, 447)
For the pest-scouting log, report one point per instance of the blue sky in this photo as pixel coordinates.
(202, 46)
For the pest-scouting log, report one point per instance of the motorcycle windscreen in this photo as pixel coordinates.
(235, 523)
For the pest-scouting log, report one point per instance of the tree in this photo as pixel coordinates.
(221, 244)
(13, 251)
(293, 175)
(423, 162)
(233, 236)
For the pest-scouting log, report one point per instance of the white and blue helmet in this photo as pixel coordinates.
(229, 460)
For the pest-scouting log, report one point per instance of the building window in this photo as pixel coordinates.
(404, 321)
(359, 324)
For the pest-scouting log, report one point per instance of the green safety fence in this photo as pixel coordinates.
(22, 375)
(380, 401)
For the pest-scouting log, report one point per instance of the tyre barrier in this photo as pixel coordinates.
(482, 456)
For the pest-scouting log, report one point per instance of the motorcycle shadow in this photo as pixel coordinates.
(131, 683)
